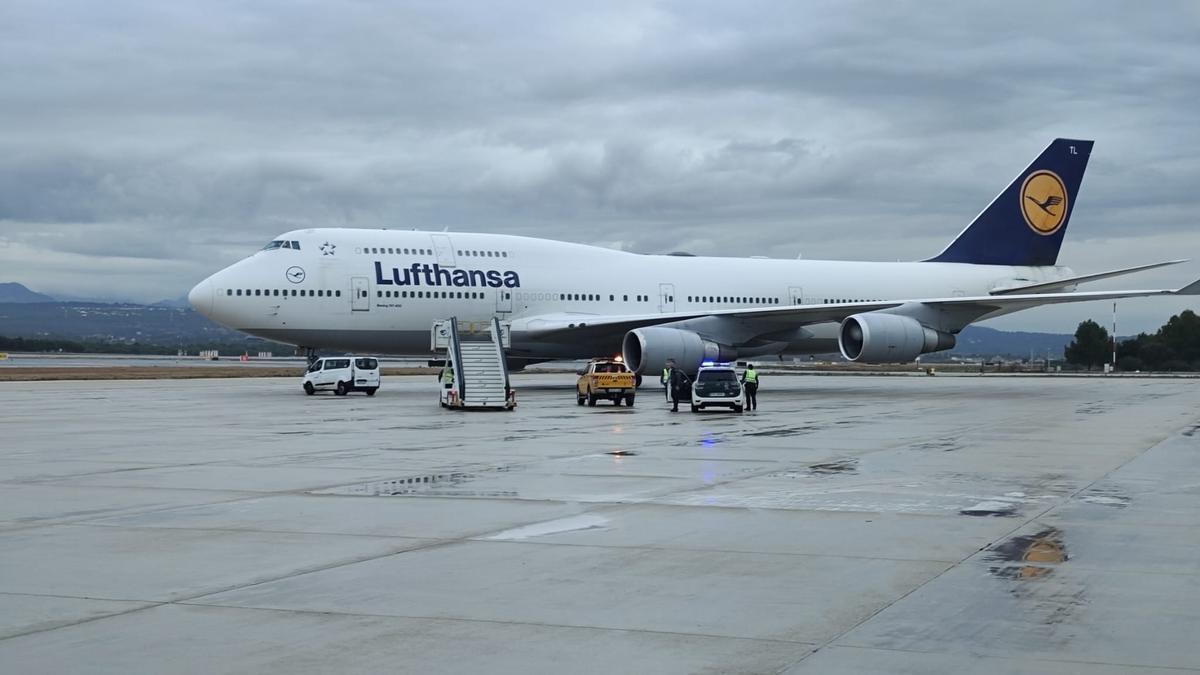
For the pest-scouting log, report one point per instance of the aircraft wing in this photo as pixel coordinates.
(1059, 284)
(946, 314)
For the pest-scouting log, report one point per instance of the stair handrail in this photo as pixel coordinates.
(459, 380)
(498, 342)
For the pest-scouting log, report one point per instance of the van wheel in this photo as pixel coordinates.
(371, 391)
(629, 400)
(309, 389)
(340, 390)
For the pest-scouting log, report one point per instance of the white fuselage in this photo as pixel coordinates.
(380, 291)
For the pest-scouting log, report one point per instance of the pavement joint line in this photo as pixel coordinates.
(237, 530)
(1005, 657)
(633, 547)
(541, 624)
(52, 522)
(1037, 516)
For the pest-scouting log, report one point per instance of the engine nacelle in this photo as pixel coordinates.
(875, 337)
(646, 350)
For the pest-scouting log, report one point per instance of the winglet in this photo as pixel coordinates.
(1191, 289)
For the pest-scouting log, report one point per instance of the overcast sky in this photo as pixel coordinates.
(145, 145)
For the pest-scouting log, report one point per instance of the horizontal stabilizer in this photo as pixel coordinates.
(1057, 284)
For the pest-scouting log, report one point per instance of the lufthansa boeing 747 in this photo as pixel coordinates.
(380, 291)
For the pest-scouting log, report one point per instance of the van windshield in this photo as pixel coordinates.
(366, 364)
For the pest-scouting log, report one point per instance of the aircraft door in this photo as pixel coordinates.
(443, 249)
(360, 294)
(666, 298)
(796, 294)
(503, 300)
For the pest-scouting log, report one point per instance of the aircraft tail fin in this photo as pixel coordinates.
(1025, 224)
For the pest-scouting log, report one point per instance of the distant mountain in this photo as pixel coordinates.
(14, 292)
(177, 303)
(982, 341)
(120, 322)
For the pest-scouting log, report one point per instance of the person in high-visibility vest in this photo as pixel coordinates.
(447, 377)
(666, 379)
(750, 382)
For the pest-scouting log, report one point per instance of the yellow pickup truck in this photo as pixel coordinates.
(607, 379)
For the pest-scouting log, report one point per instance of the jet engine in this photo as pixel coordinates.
(646, 350)
(875, 337)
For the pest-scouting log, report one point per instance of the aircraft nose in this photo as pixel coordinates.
(201, 297)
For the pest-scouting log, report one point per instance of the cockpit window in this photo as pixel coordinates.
(282, 243)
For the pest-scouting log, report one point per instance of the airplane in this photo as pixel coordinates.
(380, 291)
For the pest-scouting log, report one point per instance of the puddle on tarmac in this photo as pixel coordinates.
(1095, 408)
(786, 431)
(432, 485)
(841, 466)
(622, 453)
(943, 444)
(1030, 556)
(1106, 497)
(993, 508)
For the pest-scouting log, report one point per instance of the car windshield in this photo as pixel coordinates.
(366, 364)
(717, 382)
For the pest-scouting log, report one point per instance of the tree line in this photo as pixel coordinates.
(49, 345)
(1175, 346)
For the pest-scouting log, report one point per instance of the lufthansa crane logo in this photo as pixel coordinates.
(1044, 202)
(295, 274)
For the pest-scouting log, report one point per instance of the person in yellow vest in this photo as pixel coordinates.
(750, 382)
(666, 379)
(447, 376)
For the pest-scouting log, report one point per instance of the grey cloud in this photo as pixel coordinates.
(190, 134)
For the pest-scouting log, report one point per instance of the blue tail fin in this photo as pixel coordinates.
(1026, 223)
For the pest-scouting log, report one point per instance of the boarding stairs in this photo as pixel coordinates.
(475, 352)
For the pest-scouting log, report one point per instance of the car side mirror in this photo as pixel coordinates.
(581, 372)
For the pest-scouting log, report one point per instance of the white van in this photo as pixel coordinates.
(343, 374)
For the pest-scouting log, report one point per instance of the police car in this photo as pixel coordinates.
(717, 386)
(342, 375)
